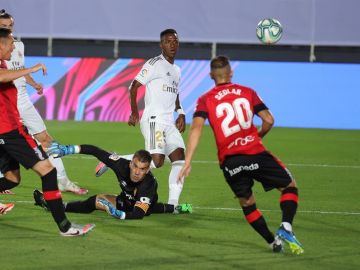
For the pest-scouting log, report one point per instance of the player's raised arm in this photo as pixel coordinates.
(134, 116)
(10, 75)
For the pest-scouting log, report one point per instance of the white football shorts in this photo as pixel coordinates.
(161, 138)
(31, 117)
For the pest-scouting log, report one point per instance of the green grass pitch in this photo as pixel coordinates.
(325, 163)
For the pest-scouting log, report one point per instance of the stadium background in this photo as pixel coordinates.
(94, 50)
(309, 79)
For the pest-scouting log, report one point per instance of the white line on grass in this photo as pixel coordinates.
(216, 162)
(236, 209)
(269, 210)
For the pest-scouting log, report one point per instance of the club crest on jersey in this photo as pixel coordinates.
(2, 141)
(114, 157)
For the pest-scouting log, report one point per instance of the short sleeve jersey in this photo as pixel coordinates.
(17, 62)
(230, 109)
(161, 80)
(9, 114)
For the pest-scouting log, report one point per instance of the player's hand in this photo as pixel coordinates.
(180, 123)
(58, 150)
(39, 88)
(184, 172)
(38, 67)
(133, 119)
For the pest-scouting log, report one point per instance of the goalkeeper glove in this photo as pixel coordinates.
(59, 150)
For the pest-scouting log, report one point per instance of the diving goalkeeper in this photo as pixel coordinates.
(138, 196)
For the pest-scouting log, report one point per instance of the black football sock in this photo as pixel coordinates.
(288, 204)
(6, 184)
(159, 208)
(255, 218)
(52, 195)
(86, 206)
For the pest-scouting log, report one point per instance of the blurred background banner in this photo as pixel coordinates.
(308, 95)
(318, 22)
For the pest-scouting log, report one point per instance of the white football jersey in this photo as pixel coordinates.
(161, 79)
(16, 62)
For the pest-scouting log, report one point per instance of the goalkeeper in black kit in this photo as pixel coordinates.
(138, 197)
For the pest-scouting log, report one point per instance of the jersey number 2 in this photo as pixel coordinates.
(239, 108)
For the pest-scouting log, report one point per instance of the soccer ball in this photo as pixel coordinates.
(269, 31)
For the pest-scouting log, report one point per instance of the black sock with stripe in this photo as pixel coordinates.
(288, 204)
(255, 218)
(52, 195)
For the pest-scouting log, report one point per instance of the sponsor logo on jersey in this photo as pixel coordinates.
(168, 74)
(241, 141)
(114, 157)
(251, 167)
(171, 89)
(226, 92)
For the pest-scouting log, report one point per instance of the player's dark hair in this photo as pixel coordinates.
(5, 15)
(167, 31)
(220, 61)
(143, 156)
(4, 33)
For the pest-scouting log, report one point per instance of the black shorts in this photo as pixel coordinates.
(241, 170)
(17, 146)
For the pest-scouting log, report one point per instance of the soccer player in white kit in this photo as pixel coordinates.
(29, 115)
(162, 137)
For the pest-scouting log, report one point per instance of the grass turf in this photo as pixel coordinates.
(216, 236)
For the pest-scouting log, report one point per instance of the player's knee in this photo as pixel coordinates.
(158, 160)
(247, 201)
(13, 177)
(292, 184)
(43, 167)
(158, 163)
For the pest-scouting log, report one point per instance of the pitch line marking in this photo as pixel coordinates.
(216, 162)
(233, 209)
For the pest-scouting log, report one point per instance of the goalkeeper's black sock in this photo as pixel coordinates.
(6, 184)
(255, 218)
(86, 206)
(159, 208)
(52, 195)
(288, 204)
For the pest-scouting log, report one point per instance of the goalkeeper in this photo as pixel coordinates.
(138, 197)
